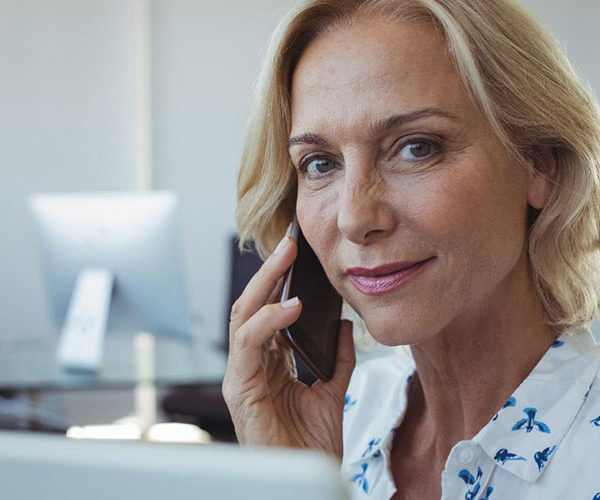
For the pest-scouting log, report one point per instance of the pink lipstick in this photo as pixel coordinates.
(385, 278)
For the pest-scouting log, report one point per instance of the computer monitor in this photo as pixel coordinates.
(34, 466)
(112, 262)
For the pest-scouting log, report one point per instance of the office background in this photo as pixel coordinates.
(131, 94)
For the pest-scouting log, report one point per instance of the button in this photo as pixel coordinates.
(464, 451)
(466, 455)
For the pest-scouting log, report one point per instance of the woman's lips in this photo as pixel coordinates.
(385, 279)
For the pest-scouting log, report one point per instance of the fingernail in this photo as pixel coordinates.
(289, 303)
(281, 244)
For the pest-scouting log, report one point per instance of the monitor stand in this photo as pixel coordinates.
(82, 338)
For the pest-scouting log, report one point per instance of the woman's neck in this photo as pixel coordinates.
(470, 368)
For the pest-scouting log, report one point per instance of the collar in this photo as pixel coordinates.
(386, 408)
(524, 435)
(367, 447)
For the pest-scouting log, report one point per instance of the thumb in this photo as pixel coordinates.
(346, 357)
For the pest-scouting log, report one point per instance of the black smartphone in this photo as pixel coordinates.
(314, 336)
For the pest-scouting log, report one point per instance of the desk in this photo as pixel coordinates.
(31, 364)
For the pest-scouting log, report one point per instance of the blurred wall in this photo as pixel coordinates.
(67, 121)
(206, 56)
(575, 23)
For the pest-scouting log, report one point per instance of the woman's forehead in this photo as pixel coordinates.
(368, 70)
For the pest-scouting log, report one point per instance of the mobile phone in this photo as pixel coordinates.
(314, 336)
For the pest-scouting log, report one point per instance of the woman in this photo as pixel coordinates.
(444, 164)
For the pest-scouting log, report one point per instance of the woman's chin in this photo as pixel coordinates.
(393, 332)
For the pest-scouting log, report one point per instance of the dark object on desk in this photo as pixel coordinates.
(204, 405)
(8, 393)
(20, 413)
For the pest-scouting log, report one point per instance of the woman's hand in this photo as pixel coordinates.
(268, 405)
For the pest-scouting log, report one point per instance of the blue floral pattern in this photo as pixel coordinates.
(488, 492)
(471, 480)
(541, 457)
(530, 422)
(473, 484)
(360, 478)
(558, 402)
(348, 403)
(503, 455)
(511, 402)
(372, 443)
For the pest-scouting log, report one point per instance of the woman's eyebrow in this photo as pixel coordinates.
(379, 126)
(307, 139)
(393, 121)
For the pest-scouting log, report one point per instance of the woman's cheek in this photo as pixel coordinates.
(454, 203)
(316, 210)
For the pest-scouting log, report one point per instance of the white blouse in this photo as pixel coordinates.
(544, 443)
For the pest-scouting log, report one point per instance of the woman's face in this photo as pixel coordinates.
(396, 165)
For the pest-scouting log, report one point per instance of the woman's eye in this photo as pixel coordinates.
(418, 150)
(317, 166)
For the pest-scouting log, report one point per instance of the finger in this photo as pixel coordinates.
(281, 365)
(247, 346)
(284, 351)
(345, 360)
(282, 343)
(262, 284)
(275, 295)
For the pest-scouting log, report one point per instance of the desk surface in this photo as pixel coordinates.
(31, 364)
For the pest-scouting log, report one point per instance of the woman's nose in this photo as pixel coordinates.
(363, 215)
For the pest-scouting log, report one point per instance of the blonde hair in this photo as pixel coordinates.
(524, 84)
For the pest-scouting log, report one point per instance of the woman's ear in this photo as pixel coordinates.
(541, 177)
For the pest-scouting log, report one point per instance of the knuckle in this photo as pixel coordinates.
(267, 320)
(241, 337)
(236, 310)
(262, 320)
(268, 316)
(226, 393)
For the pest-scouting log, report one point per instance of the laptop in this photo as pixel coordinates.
(41, 466)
